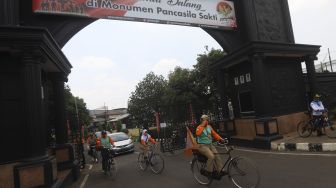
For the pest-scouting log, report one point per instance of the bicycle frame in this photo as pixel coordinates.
(228, 152)
(151, 149)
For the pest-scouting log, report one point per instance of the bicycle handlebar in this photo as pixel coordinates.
(225, 144)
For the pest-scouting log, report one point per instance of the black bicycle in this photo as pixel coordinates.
(110, 167)
(242, 172)
(154, 161)
(322, 124)
(94, 154)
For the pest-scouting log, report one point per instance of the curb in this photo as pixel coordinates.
(312, 147)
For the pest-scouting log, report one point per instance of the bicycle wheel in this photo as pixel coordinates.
(157, 163)
(142, 163)
(330, 130)
(196, 167)
(304, 129)
(243, 173)
(112, 168)
(95, 156)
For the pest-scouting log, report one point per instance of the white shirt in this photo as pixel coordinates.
(317, 108)
(145, 138)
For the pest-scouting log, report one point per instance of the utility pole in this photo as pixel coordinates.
(105, 125)
(321, 66)
(330, 61)
(78, 127)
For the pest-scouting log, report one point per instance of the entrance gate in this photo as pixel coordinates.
(261, 77)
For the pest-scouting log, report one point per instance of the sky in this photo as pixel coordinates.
(110, 57)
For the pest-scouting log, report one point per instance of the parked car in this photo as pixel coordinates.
(123, 143)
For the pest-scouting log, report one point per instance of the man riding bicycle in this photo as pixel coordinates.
(104, 142)
(205, 135)
(317, 112)
(144, 143)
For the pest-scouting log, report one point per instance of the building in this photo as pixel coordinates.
(100, 116)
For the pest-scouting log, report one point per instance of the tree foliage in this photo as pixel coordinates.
(172, 98)
(205, 86)
(147, 99)
(83, 113)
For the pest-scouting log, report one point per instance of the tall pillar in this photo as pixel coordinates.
(34, 130)
(311, 75)
(9, 12)
(63, 151)
(58, 80)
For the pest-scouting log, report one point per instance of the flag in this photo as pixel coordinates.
(190, 144)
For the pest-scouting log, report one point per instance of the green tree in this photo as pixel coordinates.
(172, 98)
(178, 94)
(205, 87)
(147, 99)
(83, 113)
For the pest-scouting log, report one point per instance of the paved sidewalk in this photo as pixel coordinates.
(313, 143)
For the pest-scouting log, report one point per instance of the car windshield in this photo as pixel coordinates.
(119, 137)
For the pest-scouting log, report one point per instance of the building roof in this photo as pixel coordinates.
(99, 115)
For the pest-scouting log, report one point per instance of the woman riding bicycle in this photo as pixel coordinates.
(92, 142)
(104, 142)
(205, 134)
(145, 139)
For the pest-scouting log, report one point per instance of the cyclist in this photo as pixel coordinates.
(104, 142)
(145, 139)
(205, 135)
(317, 112)
(92, 142)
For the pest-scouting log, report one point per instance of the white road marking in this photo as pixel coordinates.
(295, 154)
(86, 177)
(136, 153)
(84, 181)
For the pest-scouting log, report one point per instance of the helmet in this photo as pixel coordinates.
(317, 96)
(144, 131)
(204, 117)
(103, 132)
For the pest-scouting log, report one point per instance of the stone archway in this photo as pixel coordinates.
(32, 62)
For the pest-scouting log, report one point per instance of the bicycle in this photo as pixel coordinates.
(241, 171)
(154, 160)
(306, 127)
(93, 153)
(110, 167)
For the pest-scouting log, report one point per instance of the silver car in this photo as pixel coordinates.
(122, 143)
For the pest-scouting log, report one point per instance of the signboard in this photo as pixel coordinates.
(200, 13)
(163, 125)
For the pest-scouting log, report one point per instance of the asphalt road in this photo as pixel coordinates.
(278, 170)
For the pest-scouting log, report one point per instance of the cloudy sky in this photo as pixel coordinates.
(110, 57)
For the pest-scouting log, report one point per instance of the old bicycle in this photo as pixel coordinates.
(153, 160)
(240, 170)
(306, 127)
(110, 165)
